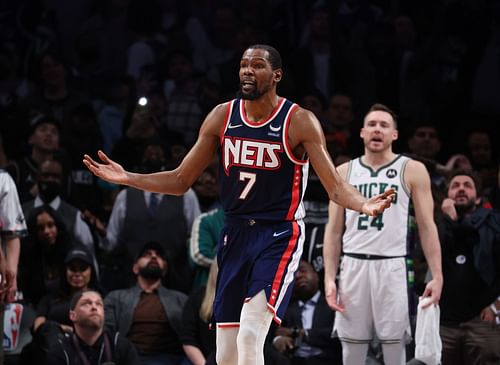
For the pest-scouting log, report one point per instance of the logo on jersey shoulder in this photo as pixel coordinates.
(274, 129)
(391, 173)
(232, 126)
(251, 153)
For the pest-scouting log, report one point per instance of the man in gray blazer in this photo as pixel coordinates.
(148, 314)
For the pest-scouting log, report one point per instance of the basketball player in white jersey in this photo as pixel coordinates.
(372, 296)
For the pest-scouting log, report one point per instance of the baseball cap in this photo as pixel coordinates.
(151, 245)
(79, 253)
(41, 119)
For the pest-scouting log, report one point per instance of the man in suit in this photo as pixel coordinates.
(305, 333)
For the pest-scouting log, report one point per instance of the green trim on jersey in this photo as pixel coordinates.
(375, 173)
(402, 178)
(349, 169)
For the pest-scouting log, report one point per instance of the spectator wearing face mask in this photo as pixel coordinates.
(50, 188)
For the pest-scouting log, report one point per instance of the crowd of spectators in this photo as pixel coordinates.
(136, 78)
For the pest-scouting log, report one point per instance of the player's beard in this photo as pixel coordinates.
(253, 95)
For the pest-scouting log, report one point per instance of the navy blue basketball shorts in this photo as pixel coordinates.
(254, 256)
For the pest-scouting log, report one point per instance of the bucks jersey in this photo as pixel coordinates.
(385, 234)
(260, 178)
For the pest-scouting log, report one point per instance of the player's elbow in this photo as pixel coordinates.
(181, 182)
(180, 190)
(334, 196)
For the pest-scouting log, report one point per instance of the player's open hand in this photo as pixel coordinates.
(378, 203)
(331, 296)
(108, 170)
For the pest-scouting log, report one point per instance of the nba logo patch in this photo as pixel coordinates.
(11, 325)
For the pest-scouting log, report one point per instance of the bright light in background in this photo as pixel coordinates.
(143, 101)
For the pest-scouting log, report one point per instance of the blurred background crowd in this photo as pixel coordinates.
(136, 78)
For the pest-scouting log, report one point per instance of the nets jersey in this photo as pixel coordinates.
(385, 234)
(260, 178)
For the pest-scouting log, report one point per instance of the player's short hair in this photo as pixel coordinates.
(274, 57)
(384, 108)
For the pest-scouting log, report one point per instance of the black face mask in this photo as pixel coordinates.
(49, 190)
(150, 166)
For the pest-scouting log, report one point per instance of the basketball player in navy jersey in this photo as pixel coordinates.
(372, 296)
(266, 143)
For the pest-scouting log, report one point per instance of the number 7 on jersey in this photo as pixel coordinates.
(250, 178)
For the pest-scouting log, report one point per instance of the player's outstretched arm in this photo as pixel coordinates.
(417, 177)
(305, 130)
(174, 182)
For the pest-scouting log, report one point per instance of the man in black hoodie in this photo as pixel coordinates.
(470, 243)
(90, 344)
